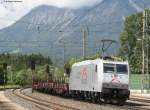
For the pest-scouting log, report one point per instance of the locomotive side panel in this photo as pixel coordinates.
(84, 78)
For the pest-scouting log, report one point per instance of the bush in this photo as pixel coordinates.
(23, 78)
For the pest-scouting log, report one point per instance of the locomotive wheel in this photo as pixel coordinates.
(45, 90)
(93, 99)
(121, 102)
(73, 95)
(96, 100)
(82, 96)
(79, 95)
(107, 101)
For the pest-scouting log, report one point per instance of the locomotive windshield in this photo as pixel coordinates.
(121, 69)
(115, 68)
(109, 68)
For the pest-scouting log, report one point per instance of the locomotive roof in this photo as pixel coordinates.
(98, 61)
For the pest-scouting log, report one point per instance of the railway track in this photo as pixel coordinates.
(48, 105)
(42, 104)
(140, 99)
(143, 104)
(7, 104)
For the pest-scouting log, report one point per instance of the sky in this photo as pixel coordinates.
(10, 12)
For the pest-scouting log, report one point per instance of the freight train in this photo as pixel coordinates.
(96, 80)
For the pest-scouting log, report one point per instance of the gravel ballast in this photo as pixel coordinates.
(81, 105)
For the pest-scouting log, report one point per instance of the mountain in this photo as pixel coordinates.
(46, 28)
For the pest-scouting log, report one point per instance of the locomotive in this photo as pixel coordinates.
(95, 80)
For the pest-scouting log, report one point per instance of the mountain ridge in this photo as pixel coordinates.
(46, 27)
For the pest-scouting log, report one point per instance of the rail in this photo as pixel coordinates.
(42, 104)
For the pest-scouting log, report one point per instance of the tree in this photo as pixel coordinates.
(1, 76)
(131, 47)
(70, 62)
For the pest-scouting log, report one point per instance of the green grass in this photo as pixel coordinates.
(9, 86)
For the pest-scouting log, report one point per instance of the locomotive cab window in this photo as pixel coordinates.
(96, 68)
(109, 68)
(121, 69)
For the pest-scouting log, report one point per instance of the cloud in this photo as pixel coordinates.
(71, 3)
(63, 3)
(17, 10)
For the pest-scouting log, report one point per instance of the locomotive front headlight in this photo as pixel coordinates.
(105, 85)
(125, 86)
